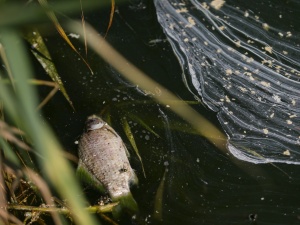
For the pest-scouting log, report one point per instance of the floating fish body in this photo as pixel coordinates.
(103, 161)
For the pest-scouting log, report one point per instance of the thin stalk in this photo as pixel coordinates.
(42, 209)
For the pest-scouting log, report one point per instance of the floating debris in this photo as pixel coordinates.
(245, 69)
(103, 162)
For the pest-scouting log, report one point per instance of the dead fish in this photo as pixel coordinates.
(103, 161)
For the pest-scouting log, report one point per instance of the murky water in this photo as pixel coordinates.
(188, 180)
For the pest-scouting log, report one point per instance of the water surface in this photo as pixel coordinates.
(188, 180)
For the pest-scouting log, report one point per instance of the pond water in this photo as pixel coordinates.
(250, 89)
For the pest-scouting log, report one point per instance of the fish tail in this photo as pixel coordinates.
(126, 204)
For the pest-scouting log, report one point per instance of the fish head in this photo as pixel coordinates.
(94, 123)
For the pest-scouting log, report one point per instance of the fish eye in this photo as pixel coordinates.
(123, 170)
(94, 124)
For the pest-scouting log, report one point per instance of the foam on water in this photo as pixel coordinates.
(244, 63)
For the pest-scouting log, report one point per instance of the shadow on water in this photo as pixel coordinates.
(188, 180)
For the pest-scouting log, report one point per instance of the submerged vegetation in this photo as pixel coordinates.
(34, 165)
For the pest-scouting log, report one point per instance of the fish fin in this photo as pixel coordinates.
(126, 150)
(126, 204)
(111, 130)
(133, 179)
(84, 175)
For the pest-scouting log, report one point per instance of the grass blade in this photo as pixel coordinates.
(4, 59)
(23, 112)
(8, 152)
(42, 54)
(130, 137)
(61, 31)
(44, 189)
(111, 16)
(7, 97)
(142, 123)
(158, 205)
(83, 27)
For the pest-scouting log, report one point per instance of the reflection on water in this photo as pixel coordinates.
(188, 180)
(243, 60)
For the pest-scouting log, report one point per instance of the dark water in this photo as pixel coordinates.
(198, 183)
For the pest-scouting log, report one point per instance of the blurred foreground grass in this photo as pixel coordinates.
(26, 140)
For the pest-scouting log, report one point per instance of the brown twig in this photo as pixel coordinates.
(48, 97)
(11, 218)
(3, 200)
(44, 189)
(8, 133)
(107, 219)
(50, 209)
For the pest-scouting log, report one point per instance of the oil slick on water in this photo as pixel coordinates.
(244, 63)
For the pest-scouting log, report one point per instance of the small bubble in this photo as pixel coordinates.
(252, 217)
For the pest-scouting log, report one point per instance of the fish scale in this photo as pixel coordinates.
(103, 156)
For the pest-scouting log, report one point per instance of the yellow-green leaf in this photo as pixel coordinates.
(142, 123)
(41, 53)
(130, 136)
(60, 30)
